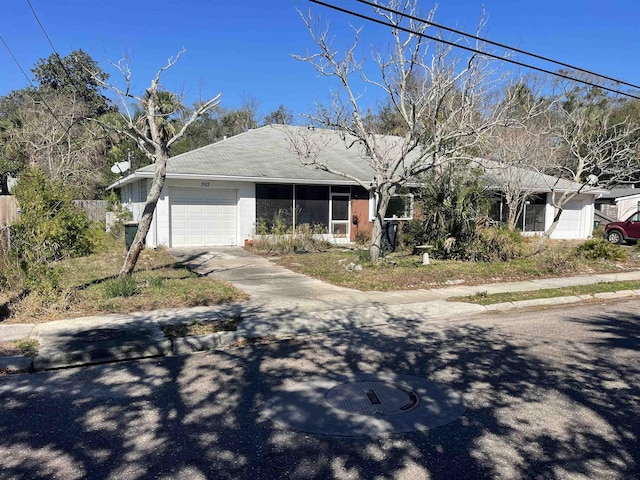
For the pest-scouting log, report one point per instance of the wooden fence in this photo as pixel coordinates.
(8, 209)
(96, 209)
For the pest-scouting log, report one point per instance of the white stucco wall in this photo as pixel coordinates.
(576, 225)
(160, 232)
(627, 206)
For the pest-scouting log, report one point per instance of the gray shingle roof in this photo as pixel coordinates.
(497, 174)
(267, 153)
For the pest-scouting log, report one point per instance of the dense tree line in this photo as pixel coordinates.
(52, 125)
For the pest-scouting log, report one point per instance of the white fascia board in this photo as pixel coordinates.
(627, 197)
(229, 178)
(238, 178)
(129, 179)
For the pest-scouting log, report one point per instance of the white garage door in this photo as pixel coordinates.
(570, 221)
(202, 217)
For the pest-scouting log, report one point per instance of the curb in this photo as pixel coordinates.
(200, 343)
(49, 359)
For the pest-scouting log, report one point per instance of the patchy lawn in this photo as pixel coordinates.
(404, 271)
(88, 287)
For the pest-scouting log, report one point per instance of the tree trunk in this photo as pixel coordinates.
(375, 249)
(547, 234)
(147, 215)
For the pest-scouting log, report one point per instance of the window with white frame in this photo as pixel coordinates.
(400, 207)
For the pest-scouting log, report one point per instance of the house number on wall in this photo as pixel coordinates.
(204, 184)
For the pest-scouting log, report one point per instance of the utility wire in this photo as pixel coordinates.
(64, 67)
(31, 83)
(497, 44)
(470, 49)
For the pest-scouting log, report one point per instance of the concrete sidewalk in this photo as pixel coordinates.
(283, 304)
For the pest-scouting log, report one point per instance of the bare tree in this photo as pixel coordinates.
(444, 102)
(594, 150)
(515, 152)
(60, 141)
(154, 132)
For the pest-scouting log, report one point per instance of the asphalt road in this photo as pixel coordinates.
(549, 394)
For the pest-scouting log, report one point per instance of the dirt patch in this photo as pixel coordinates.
(200, 328)
(19, 347)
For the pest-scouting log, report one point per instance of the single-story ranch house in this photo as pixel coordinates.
(222, 193)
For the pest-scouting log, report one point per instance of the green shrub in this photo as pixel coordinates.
(452, 198)
(120, 287)
(49, 229)
(497, 244)
(413, 233)
(599, 248)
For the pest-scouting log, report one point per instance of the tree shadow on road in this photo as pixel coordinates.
(536, 408)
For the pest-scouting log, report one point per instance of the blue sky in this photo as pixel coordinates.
(243, 48)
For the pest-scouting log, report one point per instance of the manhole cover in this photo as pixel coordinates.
(364, 405)
(372, 398)
(99, 334)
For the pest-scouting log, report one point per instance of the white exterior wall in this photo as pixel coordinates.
(160, 232)
(627, 206)
(574, 227)
(134, 196)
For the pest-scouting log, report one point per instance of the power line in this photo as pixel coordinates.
(497, 44)
(31, 83)
(470, 49)
(64, 67)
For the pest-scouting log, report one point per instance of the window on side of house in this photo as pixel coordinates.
(312, 205)
(533, 213)
(274, 208)
(400, 207)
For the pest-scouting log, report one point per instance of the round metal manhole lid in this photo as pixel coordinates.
(348, 406)
(372, 398)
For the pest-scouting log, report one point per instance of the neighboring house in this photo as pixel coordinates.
(577, 219)
(619, 203)
(223, 193)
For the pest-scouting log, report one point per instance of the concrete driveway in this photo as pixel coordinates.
(550, 394)
(273, 285)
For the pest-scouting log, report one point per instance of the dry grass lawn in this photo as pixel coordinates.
(87, 289)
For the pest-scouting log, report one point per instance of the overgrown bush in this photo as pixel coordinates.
(599, 248)
(49, 229)
(413, 233)
(451, 200)
(559, 262)
(497, 244)
(306, 238)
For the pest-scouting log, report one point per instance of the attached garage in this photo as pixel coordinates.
(570, 221)
(203, 217)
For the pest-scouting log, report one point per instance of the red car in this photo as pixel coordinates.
(626, 231)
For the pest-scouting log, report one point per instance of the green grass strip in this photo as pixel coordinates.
(483, 298)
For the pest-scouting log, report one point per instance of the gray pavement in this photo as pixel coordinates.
(283, 304)
(548, 394)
